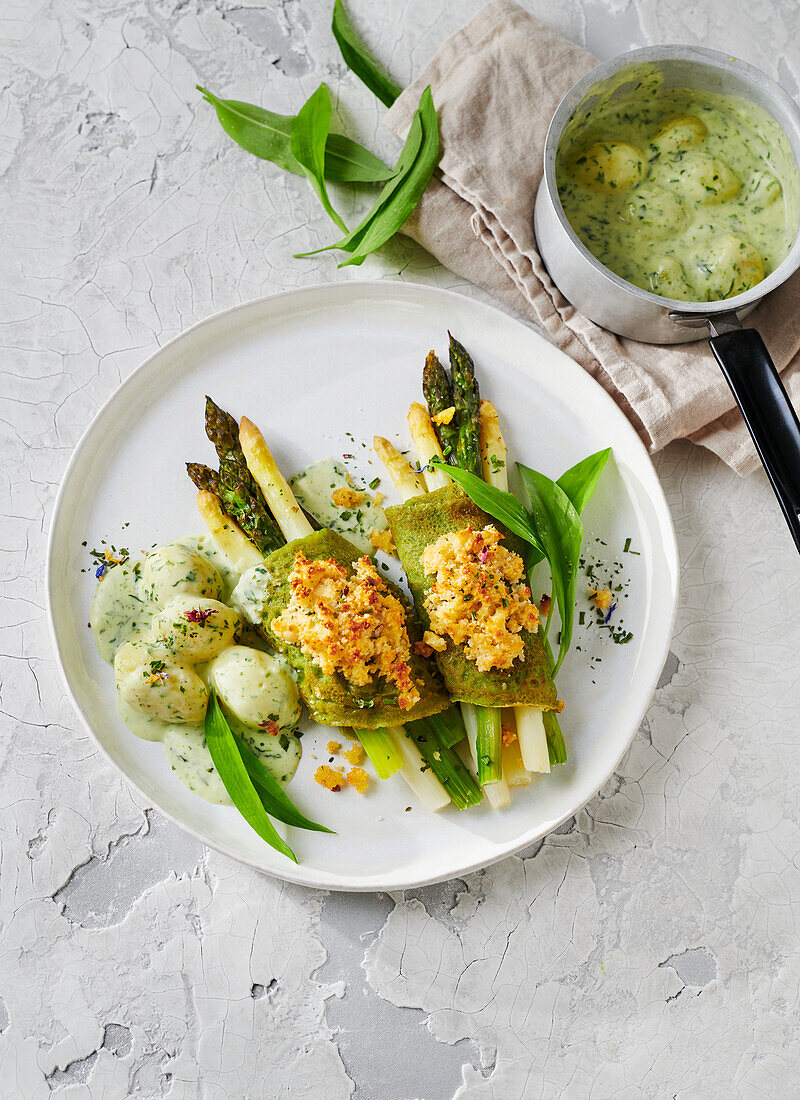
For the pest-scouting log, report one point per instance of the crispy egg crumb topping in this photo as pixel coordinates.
(347, 498)
(359, 779)
(382, 540)
(349, 624)
(354, 755)
(478, 597)
(332, 778)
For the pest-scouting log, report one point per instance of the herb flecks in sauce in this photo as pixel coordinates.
(691, 195)
(327, 492)
(165, 617)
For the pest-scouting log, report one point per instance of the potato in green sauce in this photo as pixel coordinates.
(691, 195)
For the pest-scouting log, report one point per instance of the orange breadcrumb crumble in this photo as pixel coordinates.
(354, 755)
(602, 598)
(333, 746)
(434, 641)
(349, 624)
(382, 540)
(445, 416)
(478, 597)
(359, 779)
(332, 778)
(347, 498)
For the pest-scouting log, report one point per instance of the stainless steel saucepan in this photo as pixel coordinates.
(630, 311)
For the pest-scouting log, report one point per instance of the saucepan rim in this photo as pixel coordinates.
(712, 59)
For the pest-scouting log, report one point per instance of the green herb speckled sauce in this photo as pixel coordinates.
(251, 684)
(314, 488)
(692, 195)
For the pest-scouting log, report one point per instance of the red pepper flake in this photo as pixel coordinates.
(270, 726)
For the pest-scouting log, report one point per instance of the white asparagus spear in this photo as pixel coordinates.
(425, 440)
(494, 455)
(517, 775)
(229, 537)
(279, 497)
(419, 777)
(407, 481)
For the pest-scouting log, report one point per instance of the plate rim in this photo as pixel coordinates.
(294, 872)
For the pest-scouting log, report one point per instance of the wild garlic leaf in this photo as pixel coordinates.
(307, 145)
(579, 483)
(273, 797)
(560, 531)
(502, 506)
(348, 162)
(358, 59)
(402, 192)
(266, 134)
(233, 773)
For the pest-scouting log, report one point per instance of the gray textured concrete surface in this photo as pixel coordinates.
(649, 946)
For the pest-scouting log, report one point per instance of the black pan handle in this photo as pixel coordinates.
(768, 414)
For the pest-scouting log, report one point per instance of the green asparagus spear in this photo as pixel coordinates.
(467, 402)
(468, 457)
(448, 726)
(445, 764)
(488, 745)
(240, 495)
(203, 477)
(439, 395)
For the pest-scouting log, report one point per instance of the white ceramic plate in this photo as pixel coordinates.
(309, 367)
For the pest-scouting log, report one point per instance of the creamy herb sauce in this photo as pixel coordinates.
(692, 195)
(122, 611)
(314, 488)
(119, 613)
(250, 596)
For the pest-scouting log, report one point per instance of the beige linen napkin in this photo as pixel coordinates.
(496, 84)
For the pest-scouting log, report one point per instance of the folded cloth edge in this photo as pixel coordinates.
(528, 289)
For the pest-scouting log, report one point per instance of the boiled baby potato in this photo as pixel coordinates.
(175, 569)
(669, 280)
(654, 211)
(161, 688)
(195, 627)
(732, 267)
(705, 179)
(255, 688)
(610, 166)
(763, 189)
(678, 133)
